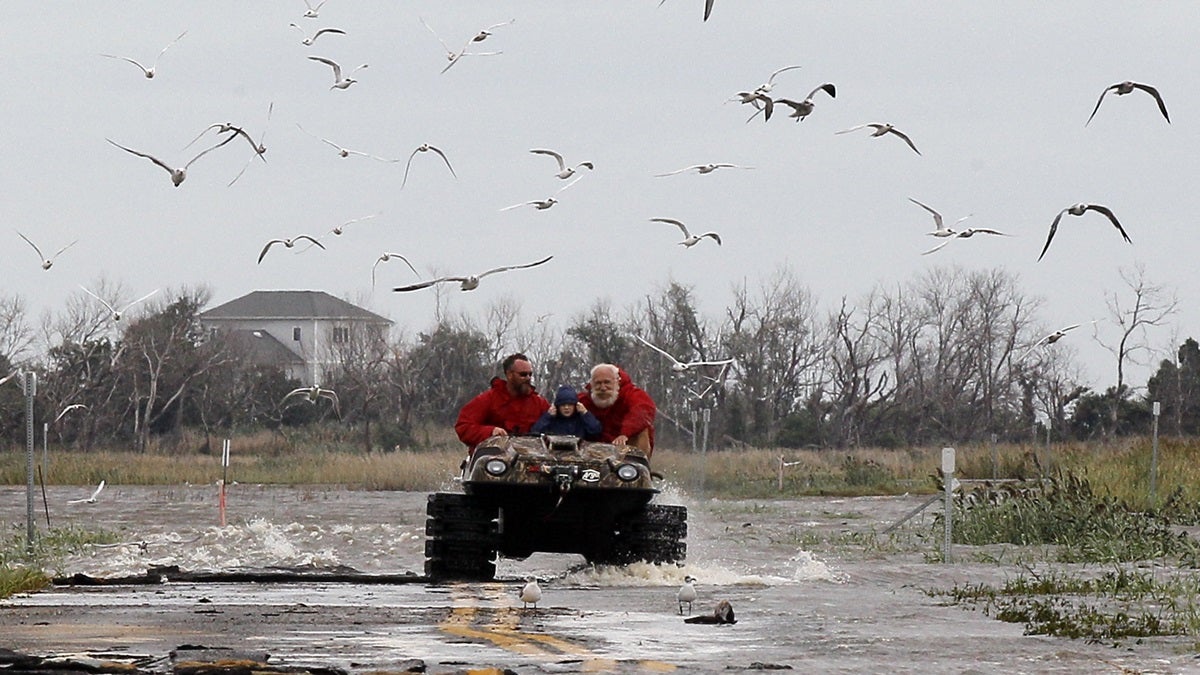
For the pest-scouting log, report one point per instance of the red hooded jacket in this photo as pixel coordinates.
(632, 412)
(497, 407)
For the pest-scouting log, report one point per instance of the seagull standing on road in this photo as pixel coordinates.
(47, 263)
(687, 593)
(1079, 210)
(1122, 88)
(339, 82)
(148, 72)
(689, 240)
(531, 593)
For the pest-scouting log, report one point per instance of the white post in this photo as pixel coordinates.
(1154, 456)
(224, 477)
(948, 484)
(29, 384)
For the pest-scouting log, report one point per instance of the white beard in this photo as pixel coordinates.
(604, 400)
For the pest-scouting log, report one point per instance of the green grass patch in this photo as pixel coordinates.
(22, 565)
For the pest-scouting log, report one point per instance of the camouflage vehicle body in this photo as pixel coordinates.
(526, 494)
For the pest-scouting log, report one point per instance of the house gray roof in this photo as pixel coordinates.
(290, 305)
(262, 349)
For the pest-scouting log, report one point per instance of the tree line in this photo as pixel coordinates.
(950, 356)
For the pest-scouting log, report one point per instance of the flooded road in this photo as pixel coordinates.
(850, 609)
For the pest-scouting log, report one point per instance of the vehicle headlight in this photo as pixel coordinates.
(495, 467)
(627, 472)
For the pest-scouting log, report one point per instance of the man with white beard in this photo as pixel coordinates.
(626, 412)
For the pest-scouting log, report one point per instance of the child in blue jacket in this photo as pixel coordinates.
(568, 417)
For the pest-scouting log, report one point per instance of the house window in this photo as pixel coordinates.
(295, 333)
(341, 334)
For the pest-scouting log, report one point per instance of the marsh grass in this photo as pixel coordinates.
(333, 455)
(1082, 523)
(1119, 603)
(21, 565)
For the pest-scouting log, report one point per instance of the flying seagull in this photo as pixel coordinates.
(314, 394)
(309, 39)
(116, 313)
(339, 82)
(881, 129)
(941, 230)
(702, 169)
(487, 32)
(425, 147)
(312, 12)
(687, 593)
(761, 102)
(707, 7)
(1052, 338)
(564, 171)
(91, 499)
(677, 365)
(148, 72)
(1079, 210)
(966, 234)
(454, 56)
(765, 87)
(531, 593)
(387, 257)
(288, 243)
(1122, 88)
(338, 230)
(801, 109)
(690, 239)
(47, 263)
(468, 283)
(543, 204)
(73, 406)
(177, 174)
(259, 148)
(346, 152)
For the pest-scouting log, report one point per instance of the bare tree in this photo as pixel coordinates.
(16, 335)
(1148, 305)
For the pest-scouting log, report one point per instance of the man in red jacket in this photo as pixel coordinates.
(509, 406)
(626, 412)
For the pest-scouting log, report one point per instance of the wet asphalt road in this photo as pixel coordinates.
(866, 613)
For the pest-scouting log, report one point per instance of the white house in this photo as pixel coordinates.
(299, 331)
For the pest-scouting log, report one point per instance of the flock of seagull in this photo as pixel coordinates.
(761, 98)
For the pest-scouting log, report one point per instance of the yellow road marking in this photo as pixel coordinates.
(503, 629)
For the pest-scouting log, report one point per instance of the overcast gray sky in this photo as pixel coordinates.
(995, 95)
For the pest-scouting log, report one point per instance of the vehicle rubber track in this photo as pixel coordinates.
(461, 538)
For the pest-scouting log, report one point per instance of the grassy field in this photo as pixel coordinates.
(1120, 469)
